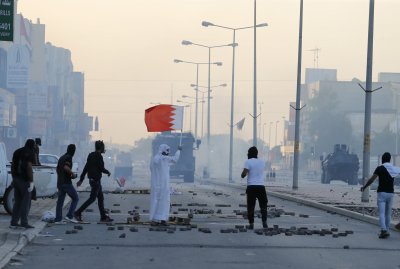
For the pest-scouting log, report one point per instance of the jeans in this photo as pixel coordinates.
(62, 191)
(95, 192)
(256, 192)
(22, 201)
(385, 201)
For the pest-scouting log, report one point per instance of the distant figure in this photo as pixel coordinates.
(386, 173)
(94, 168)
(65, 186)
(38, 143)
(22, 175)
(160, 190)
(254, 170)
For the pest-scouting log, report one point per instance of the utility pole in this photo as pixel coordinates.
(368, 101)
(255, 78)
(296, 149)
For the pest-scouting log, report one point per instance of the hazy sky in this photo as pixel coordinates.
(126, 50)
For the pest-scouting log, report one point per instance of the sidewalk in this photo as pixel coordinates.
(12, 241)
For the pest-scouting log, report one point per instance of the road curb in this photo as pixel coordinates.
(16, 241)
(329, 208)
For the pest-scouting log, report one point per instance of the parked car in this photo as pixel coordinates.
(52, 161)
(48, 160)
(44, 177)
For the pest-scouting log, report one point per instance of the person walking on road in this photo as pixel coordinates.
(160, 191)
(386, 174)
(254, 169)
(94, 168)
(22, 175)
(65, 186)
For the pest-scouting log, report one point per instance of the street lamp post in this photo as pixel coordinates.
(197, 81)
(269, 135)
(185, 42)
(263, 137)
(202, 106)
(189, 105)
(207, 24)
(276, 133)
(269, 140)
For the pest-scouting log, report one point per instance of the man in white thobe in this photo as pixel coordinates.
(160, 190)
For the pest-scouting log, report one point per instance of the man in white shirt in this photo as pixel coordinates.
(254, 169)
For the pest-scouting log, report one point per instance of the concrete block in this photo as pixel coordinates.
(116, 211)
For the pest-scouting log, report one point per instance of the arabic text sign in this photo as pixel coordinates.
(6, 20)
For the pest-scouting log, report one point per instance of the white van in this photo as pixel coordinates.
(44, 177)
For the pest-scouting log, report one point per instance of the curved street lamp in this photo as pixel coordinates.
(197, 81)
(186, 43)
(208, 24)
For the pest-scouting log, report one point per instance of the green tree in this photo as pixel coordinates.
(384, 141)
(328, 126)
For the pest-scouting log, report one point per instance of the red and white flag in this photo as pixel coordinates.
(162, 118)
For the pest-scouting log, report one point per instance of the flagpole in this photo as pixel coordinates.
(180, 140)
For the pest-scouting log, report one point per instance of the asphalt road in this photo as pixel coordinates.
(97, 247)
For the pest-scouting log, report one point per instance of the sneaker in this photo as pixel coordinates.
(250, 226)
(78, 217)
(73, 220)
(154, 223)
(265, 225)
(397, 226)
(61, 222)
(106, 219)
(384, 234)
(14, 226)
(163, 223)
(27, 226)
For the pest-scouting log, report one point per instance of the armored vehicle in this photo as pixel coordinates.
(185, 166)
(340, 165)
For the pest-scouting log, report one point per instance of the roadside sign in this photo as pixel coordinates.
(6, 20)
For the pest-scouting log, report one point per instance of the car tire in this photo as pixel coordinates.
(8, 200)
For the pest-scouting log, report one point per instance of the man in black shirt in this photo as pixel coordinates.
(386, 173)
(64, 186)
(22, 174)
(94, 168)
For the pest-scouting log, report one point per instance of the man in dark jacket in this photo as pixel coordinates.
(386, 174)
(64, 186)
(22, 174)
(94, 168)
